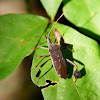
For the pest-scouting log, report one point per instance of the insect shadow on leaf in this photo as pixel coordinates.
(37, 75)
(67, 54)
(49, 83)
(40, 61)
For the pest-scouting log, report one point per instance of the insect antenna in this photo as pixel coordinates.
(29, 40)
(56, 22)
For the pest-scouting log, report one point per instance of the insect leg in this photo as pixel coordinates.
(38, 58)
(72, 63)
(77, 73)
(39, 71)
(70, 50)
(42, 47)
(29, 40)
(39, 47)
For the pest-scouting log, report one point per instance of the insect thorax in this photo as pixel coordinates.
(54, 47)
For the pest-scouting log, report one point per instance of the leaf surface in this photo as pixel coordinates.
(87, 58)
(51, 7)
(14, 30)
(85, 15)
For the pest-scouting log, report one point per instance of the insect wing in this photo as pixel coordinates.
(59, 63)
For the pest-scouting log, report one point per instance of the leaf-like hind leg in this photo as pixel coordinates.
(39, 71)
(77, 73)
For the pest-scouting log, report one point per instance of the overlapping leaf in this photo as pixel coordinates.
(85, 15)
(51, 7)
(15, 29)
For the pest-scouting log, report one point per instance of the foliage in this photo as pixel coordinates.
(16, 29)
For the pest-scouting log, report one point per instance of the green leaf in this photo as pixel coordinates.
(85, 15)
(51, 7)
(87, 58)
(14, 30)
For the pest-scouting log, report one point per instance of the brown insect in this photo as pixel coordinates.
(57, 58)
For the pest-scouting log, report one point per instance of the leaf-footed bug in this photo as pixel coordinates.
(57, 58)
